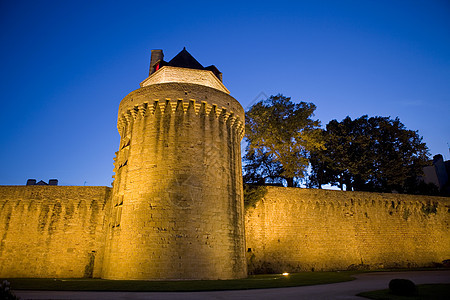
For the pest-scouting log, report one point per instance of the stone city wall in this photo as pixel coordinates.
(294, 229)
(56, 231)
(52, 231)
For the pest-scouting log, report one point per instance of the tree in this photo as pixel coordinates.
(260, 168)
(279, 134)
(369, 154)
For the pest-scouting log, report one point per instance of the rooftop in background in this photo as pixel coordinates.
(41, 182)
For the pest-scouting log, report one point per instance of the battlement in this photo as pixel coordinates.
(173, 106)
(170, 98)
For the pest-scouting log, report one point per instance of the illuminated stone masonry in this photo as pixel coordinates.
(52, 231)
(175, 210)
(294, 230)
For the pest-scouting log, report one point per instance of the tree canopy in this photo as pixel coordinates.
(369, 154)
(280, 135)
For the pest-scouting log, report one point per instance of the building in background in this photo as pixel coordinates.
(438, 174)
(41, 182)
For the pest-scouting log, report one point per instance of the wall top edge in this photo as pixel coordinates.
(355, 195)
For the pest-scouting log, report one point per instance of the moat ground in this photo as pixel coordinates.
(343, 290)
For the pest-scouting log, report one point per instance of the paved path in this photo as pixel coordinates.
(343, 290)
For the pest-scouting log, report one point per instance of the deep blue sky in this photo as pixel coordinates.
(66, 65)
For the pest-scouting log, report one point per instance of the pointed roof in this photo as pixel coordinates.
(182, 60)
(185, 60)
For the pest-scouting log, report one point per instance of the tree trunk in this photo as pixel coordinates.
(320, 179)
(290, 181)
(348, 183)
(341, 182)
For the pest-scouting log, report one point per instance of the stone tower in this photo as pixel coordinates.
(177, 205)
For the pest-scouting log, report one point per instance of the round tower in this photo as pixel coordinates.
(177, 205)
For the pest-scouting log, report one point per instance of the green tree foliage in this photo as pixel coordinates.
(260, 168)
(370, 154)
(280, 134)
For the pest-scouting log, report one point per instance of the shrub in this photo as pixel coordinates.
(5, 291)
(253, 194)
(402, 287)
(446, 263)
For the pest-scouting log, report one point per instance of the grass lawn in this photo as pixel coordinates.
(252, 282)
(425, 292)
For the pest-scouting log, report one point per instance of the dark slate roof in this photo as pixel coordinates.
(185, 60)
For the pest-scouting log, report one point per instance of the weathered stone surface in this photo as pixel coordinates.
(305, 229)
(177, 206)
(52, 231)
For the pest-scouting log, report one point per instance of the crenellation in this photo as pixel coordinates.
(134, 112)
(143, 109)
(200, 107)
(231, 120)
(187, 104)
(205, 108)
(162, 106)
(173, 105)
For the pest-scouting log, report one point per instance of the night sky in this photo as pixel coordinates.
(66, 65)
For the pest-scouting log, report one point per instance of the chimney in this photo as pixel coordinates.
(157, 56)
